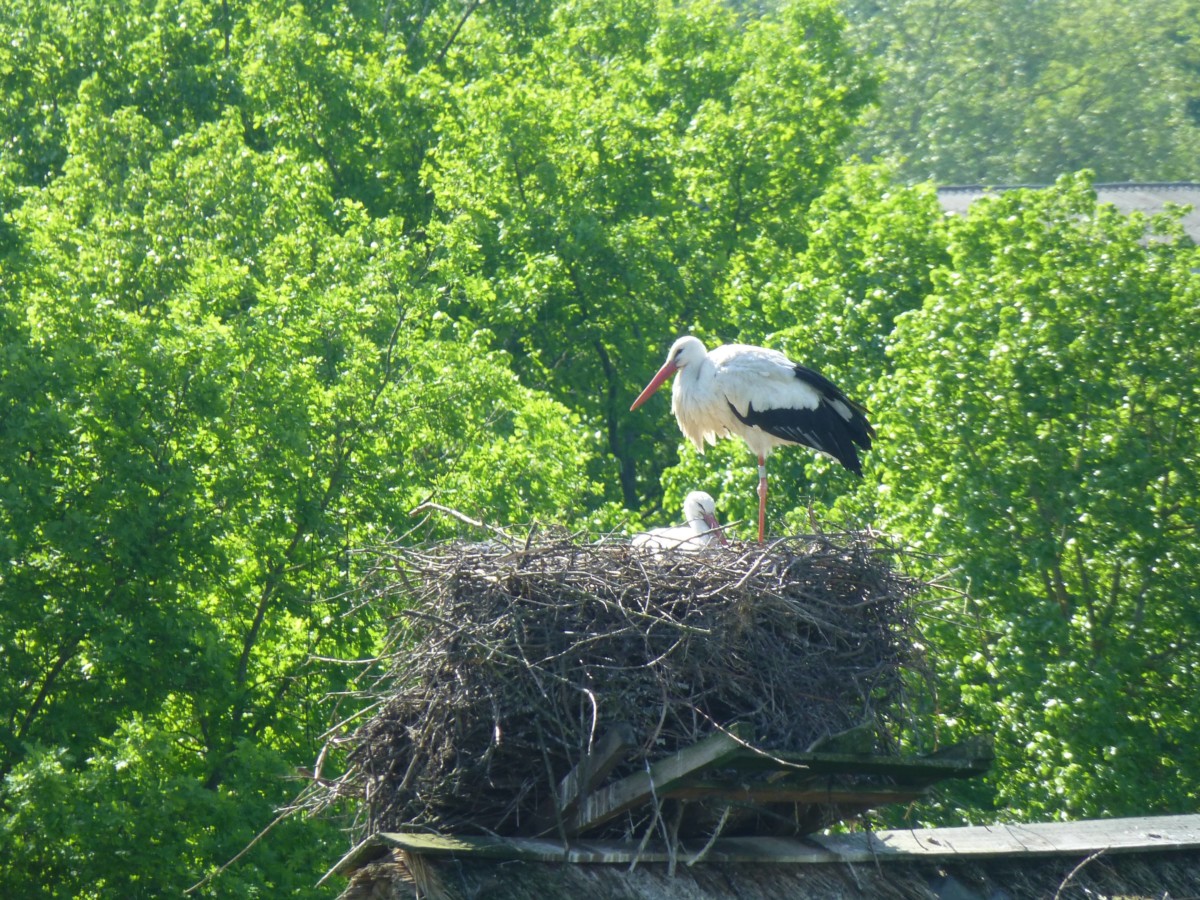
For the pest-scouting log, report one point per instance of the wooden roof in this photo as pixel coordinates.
(1151, 833)
(1149, 198)
(1152, 856)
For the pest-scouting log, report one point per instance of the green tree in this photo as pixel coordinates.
(216, 382)
(249, 321)
(870, 257)
(170, 61)
(360, 89)
(1041, 440)
(1005, 91)
(633, 177)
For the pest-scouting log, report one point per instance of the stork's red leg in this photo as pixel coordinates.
(762, 498)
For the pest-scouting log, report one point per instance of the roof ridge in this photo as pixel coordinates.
(1100, 185)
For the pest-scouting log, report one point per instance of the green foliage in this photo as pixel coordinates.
(869, 258)
(216, 382)
(1005, 91)
(135, 821)
(642, 166)
(273, 274)
(1041, 421)
(54, 52)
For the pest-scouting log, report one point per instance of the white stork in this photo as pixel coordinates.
(702, 528)
(764, 398)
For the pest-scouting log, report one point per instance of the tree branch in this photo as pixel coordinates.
(60, 662)
(471, 7)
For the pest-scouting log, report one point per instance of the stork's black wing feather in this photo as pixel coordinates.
(825, 428)
(833, 392)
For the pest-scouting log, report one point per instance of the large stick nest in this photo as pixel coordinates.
(512, 660)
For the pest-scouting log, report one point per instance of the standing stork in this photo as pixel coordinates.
(764, 398)
(702, 528)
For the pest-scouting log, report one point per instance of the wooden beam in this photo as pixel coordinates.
(775, 793)
(852, 740)
(621, 796)
(920, 767)
(1132, 835)
(1074, 839)
(585, 778)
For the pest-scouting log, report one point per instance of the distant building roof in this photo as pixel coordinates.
(1150, 198)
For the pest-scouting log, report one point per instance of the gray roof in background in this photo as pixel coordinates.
(1148, 198)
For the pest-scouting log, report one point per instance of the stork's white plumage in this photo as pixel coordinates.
(701, 529)
(761, 396)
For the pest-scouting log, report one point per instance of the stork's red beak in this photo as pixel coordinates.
(711, 522)
(656, 382)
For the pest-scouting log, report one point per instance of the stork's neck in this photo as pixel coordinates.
(698, 371)
(693, 381)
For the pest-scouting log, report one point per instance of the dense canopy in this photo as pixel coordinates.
(274, 274)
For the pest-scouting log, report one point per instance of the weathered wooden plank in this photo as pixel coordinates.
(912, 767)
(1043, 839)
(785, 793)
(980, 748)
(586, 777)
(774, 850)
(481, 846)
(620, 796)
(593, 851)
(852, 740)
(1039, 839)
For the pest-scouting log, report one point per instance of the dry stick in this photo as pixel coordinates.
(211, 875)
(1075, 871)
(753, 568)
(672, 838)
(656, 806)
(703, 851)
(591, 742)
(462, 517)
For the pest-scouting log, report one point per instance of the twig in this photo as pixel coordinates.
(703, 851)
(462, 517)
(1075, 871)
(211, 875)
